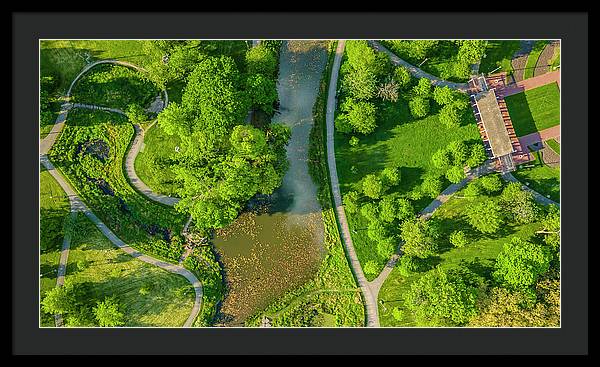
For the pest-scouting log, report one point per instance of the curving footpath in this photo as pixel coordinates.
(415, 71)
(77, 205)
(371, 308)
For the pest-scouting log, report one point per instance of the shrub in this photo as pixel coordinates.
(419, 107)
(390, 176)
(408, 265)
(398, 314)
(491, 183)
(351, 201)
(402, 76)
(386, 247)
(455, 174)
(486, 216)
(473, 189)
(372, 186)
(477, 156)
(353, 141)
(431, 186)
(371, 267)
(458, 239)
(441, 158)
(369, 211)
(450, 116)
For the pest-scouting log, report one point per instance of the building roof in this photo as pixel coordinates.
(493, 123)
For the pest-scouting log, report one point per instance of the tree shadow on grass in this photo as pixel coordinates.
(520, 114)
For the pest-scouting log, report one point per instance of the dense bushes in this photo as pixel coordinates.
(116, 87)
(101, 182)
(204, 264)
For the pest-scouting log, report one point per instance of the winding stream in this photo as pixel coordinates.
(278, 245)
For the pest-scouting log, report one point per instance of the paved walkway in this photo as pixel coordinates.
(371, 309)
(415, 71)
(539, 136)
(133, 177)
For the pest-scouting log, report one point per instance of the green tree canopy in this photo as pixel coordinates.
(108, 314)
(372, 186)
(443, 297)
(418, 238)
(521, 263)
(485, 216)
(261, 60)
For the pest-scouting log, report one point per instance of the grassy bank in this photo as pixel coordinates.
(499, 54)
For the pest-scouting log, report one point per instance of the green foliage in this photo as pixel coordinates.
(136, 114)
(90, 153)
(386, 247)
(351, 201)
(477, 156)
(519, 203)
(551, 223)
(354, 141)
(114, 86)
(261, 60)
(450, 116)
(491, 183)
(521, 263)
(441, 158)
(360, 115)
(372, 186)
(203, 263)
(398, 314)
(108, 314)
(485, 216)
(423, 88)
(371, 268)
(402, 76)
(418, 238)
(419, 107)
(370, 211)
(365, 67)
(443, 297)
(473, 189)
(390, 176)
(459, 151)
(444, 95)
(262, 91)
(458, 238)
(408, 265)
(455, 174)
(377, 231)
(431, 186)
(509, 308)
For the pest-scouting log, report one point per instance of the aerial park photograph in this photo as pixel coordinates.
(299, 183)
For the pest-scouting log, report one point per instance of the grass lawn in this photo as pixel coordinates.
(535, 109)
(54, 210)
(158, 147)
(398, 140)
(479, 256)
(533, 57)
(554, 145)
(149, 296)
(66, 58)
(114, 86)
(499, 54)
(541, 178)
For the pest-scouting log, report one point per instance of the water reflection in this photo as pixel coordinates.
(277, 244)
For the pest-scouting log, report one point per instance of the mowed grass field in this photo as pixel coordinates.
(478, 255)
(54, 210)
(149, 295)
(399, 140)
(158, 147)
(499, 53)
(541, 178)
(535, 109)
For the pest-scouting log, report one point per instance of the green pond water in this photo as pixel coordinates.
(278, 247)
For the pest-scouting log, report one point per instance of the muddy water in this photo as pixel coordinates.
(278, 245)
